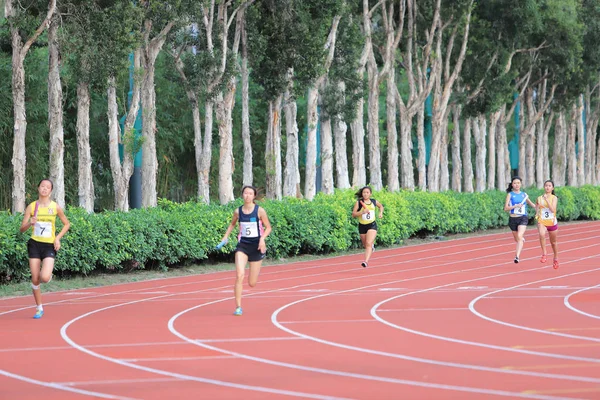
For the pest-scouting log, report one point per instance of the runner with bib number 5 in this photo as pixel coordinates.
(254, 229)
(364, 210)
(547, 221)
(516, 204)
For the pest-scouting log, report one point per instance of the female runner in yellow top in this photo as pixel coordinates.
(364, 210)
(547, 221)
(44, 243)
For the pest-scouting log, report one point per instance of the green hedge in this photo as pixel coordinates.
(173, 234)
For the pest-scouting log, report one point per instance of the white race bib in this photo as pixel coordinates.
(42, 229)
(519, 210)
(249, 229)
(547, 214)
(368, 217)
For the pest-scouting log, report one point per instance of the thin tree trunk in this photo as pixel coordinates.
(444, 172)
(311, 147)
(571, 139)
(422, 157)
(466, 157)
(327, 186)
(203, 164)
(359, 175)
(55, 116)
(226, 162)
(501, 150)
(245, 74)
(19, 52)
(393, 181)
(150, 51)
(456, 159)
(407, 174)
(580, 144)
(340, 129)
(559, 158)
(85, 181)
(119, 173)
(273, 150)
(373, 126)
(480, 132)
(291, 186)
(491, 150)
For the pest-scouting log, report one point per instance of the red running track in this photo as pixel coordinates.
(449, 320)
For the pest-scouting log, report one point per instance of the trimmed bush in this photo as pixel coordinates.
(174, 234)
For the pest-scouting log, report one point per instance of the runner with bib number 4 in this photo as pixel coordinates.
(254, 227)
(364, 210)
(516, 205)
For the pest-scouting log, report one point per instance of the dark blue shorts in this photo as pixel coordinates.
(514, 222)
(364, 228)
(251, 250)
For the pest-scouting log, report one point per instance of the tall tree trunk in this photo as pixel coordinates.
(559, 158)
(501, 150)
(456, 159)
(407, 178)
(19, 51)
(291, 186)
(480, 132)
(120, 173)
(444, 172)
(327, 156)
(245, 74)
(581, 144)
(491, 150)
(273, 150)
(226, 162)
(542, 164)
(422, 157)
(393, 181)
(150, 50)
(204, 158)
(357, 128)
(55, 115)
(466, 156)
(85, 181)
(571, 140)
(373, 126)
(310, 181)
(340, 129)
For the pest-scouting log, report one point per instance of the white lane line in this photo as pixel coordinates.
(572, 308)
(526, 328)
(63, 387)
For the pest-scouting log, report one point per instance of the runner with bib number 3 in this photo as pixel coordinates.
(516, 205)
(547, 221)
(251, 248)
(364, 210)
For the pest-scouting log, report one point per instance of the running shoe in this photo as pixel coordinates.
(38, 314)
(238, 311)
(543, 259)
(516, 260)
(555, 264)
(364, 264)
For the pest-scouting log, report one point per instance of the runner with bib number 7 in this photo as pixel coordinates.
(547, 221)
(364, 210)
(516, 205)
